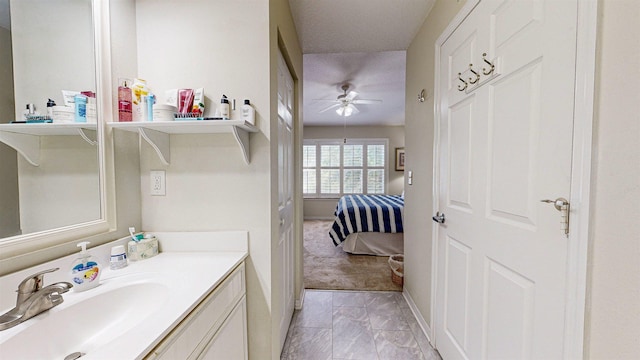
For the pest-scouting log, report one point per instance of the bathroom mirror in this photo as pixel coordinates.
(52, 186)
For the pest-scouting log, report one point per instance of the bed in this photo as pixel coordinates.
(369, 224)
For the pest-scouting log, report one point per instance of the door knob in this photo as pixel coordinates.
(562, 205)
(439, 218)
(558, 203)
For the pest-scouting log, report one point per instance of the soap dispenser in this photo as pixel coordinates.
(85, 271)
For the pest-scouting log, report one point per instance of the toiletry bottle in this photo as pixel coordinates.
(224, 107)
(92, 115)
(248, 113)
(124, 102)
(118, 258)
(85, 270)
(151, 100)
(138, 91)
(80, 108)
(30, 110)
(50, 105)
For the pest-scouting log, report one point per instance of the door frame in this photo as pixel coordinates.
(580, 197)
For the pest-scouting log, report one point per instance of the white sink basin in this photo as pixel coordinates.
(127, 315)
(88, 324)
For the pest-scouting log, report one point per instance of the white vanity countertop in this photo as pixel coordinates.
(174, 283)
(189, 277)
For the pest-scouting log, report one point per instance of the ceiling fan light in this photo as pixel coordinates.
(344, 111)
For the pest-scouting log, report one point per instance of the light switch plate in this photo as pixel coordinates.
(410, 177)
(158, 183)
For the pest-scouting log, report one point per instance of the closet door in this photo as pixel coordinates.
(285, 195)
(505, 145)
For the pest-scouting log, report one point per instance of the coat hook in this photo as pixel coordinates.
(484, 71)
(421, 96)
(464, 82)
(471, 80)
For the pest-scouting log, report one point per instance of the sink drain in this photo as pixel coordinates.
(74, 355)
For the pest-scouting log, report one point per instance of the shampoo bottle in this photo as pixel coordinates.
(124, 102)
(224, 108)
(248, 113)
(85, 271)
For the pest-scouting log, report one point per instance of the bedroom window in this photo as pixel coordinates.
(332, 169)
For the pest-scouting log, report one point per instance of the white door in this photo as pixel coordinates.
(503, 147)
(285, 194)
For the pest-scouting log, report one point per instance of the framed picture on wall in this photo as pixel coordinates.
(400, 159)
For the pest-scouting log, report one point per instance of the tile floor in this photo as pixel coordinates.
(364, 325)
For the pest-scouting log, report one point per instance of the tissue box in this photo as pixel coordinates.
(143, 249)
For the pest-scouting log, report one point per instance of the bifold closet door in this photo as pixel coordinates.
(504, 145)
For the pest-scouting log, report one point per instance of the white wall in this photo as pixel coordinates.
(613, 308)
(419, 149)
(324, 208)
(9, 211)
(227, 48)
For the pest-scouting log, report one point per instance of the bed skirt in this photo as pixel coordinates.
(374, 243)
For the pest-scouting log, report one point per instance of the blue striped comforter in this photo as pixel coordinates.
(367, 213)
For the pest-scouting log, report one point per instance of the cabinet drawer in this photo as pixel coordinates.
(189, 338)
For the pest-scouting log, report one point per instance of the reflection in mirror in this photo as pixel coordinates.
(46, 46)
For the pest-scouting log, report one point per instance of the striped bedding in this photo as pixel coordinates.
(367, 213)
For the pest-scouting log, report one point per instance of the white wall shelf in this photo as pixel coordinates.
(25, 138)
(157, 134)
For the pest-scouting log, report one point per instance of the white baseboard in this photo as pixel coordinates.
(426, 329)
(300, 299)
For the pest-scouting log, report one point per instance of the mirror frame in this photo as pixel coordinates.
(21, 244)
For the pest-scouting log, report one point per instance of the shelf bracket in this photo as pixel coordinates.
(242, 137)
(26, 145)
(88, 135)
(159, 141)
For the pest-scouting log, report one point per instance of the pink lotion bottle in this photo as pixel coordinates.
(124, 102)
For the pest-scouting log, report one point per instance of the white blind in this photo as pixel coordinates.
(331, 168)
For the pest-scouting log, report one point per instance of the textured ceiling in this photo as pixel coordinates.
(334, 26)
(378, 76)
(360, 42)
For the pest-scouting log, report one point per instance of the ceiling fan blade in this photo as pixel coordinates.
(326, 100)
(366, 101)
(351, 95)
(328, 108)
(355, 109)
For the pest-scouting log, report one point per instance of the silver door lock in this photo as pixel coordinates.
(562, 205)
(439, 218)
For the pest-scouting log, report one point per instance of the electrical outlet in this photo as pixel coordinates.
(158, 182)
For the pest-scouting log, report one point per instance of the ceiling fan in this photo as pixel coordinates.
(345, 102)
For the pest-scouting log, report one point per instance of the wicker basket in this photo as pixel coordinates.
(396, 262)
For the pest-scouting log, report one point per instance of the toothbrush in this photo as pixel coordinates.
(131, 231)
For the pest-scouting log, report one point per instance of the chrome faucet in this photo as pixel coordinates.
(34, 299)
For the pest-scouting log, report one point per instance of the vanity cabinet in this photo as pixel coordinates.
(215, 329)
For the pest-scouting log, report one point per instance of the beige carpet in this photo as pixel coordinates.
(327, 267)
